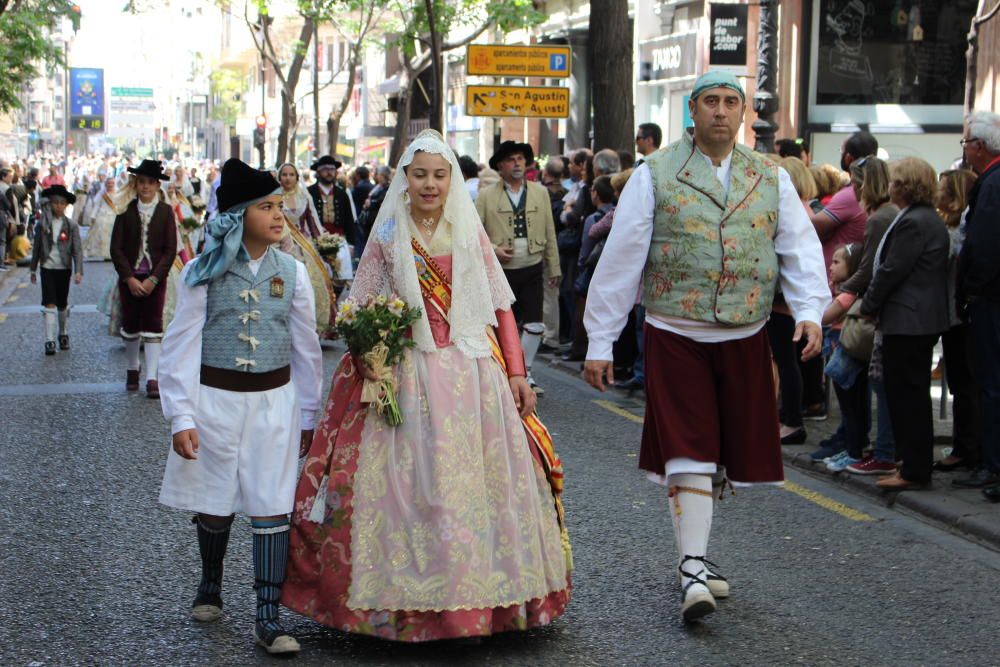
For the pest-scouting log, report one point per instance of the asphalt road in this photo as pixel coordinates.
(96, 573)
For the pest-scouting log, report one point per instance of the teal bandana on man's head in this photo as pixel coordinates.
(717, 79)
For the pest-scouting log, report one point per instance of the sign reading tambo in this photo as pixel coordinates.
(550, 62)
(517, 101)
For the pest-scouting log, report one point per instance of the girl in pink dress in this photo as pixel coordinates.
(448, 525)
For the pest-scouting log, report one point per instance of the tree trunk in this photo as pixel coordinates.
(287, 122)
(401, 135)
(333, 121)
(293, 124)
(332, 133)
(289, 84)
(437, 80)
(609, 54)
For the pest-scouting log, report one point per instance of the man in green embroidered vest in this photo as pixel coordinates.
(708, 229)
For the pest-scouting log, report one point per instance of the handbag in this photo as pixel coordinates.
(568, 240)
(857, 336)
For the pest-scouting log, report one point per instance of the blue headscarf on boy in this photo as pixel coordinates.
(241, 187)
(223, 243)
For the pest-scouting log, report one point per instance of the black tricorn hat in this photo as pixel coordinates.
(242, 183)
(151, 168)
(508, 148)
(326, 161)
(58, 191)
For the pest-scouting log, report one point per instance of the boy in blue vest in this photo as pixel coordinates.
(240, 378)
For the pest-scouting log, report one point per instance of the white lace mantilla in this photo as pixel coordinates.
(479, 287)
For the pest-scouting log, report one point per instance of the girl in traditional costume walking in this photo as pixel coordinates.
(448, 524)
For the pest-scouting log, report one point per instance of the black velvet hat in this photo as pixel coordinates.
(508, 148)
(242, 183)
(58, 191)
(326, 161)
(151, 168)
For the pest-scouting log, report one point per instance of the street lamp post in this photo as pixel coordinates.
(765, 99)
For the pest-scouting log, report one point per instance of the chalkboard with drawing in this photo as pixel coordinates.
(892, 51)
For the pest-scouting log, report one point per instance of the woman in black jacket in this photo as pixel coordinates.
(908, 295)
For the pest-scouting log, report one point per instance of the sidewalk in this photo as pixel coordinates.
(962, 511)
(9, 280)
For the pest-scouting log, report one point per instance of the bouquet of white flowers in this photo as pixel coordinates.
(375, 333)
(328, 246)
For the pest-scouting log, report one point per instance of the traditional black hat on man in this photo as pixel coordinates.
(242, 183)
(326, 161)
(58, 191)
(151, 168)
(509, 148)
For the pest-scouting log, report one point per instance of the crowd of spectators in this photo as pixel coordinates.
(912, 257)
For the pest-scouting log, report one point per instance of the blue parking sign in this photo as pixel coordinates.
(557, 62)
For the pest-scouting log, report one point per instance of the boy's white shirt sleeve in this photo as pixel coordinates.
(179, 372)
(307, 355)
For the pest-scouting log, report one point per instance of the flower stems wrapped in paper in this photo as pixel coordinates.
(376, 334)
(328, 246)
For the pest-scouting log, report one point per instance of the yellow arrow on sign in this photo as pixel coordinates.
(517, 101)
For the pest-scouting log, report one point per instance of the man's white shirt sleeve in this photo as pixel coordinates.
(615, 285)
(800, 256)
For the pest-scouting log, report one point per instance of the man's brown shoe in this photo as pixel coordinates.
(152, 389)
(898, 483)
(132, 380)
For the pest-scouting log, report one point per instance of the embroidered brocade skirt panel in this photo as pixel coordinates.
(442, 527)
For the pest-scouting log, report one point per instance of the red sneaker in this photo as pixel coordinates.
(870, 466)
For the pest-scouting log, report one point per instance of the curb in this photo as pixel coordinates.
(977, 521)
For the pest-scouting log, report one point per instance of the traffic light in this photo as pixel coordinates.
(259, 132)
(74, 17)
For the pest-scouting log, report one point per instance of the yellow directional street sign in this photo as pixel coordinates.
(511, 60)
(517, 101)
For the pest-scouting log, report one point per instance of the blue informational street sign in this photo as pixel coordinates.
(86, 98)
(557, 62)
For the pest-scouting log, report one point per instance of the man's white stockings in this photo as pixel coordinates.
(691, 505)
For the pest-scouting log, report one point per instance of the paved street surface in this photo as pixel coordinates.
(96, 572)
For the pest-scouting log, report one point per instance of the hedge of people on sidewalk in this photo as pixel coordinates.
(912, 260)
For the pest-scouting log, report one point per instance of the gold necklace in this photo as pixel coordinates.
(428, 222)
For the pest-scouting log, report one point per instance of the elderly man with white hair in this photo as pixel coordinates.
(979, 281)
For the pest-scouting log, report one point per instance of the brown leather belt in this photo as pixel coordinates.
(230, 380)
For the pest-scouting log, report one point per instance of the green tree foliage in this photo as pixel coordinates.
(449, 16)
(428, 28)
(227, 88)
(26, 44)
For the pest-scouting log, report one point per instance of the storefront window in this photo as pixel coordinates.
(891, 52)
